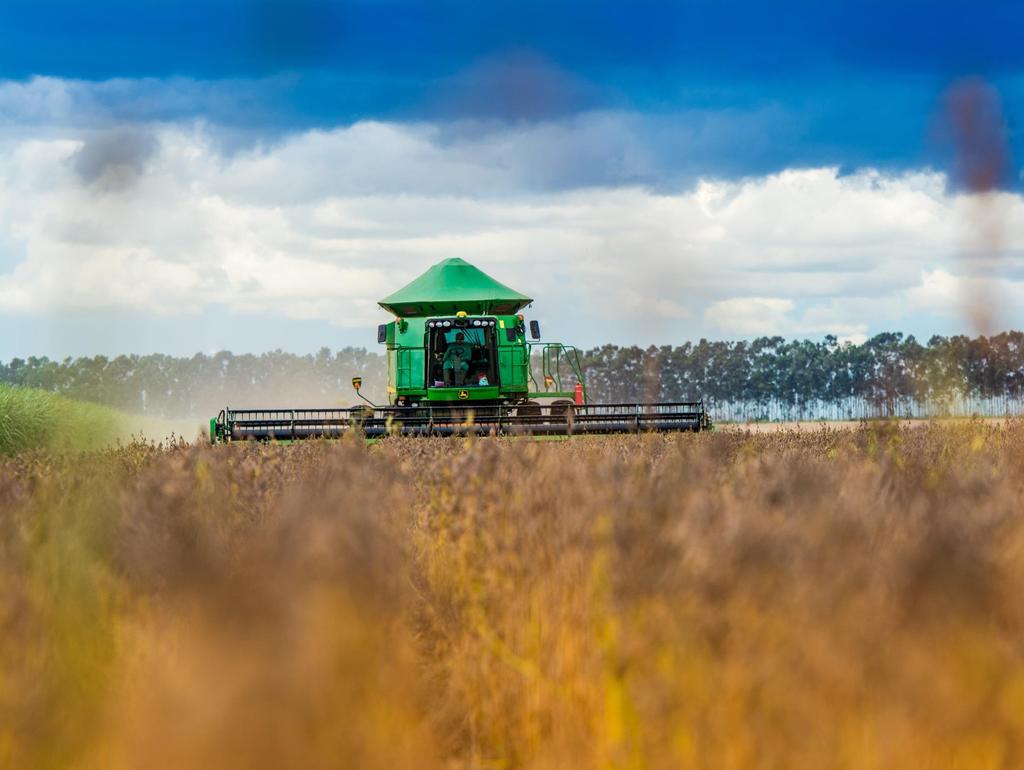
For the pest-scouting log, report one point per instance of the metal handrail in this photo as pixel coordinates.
(551, 365)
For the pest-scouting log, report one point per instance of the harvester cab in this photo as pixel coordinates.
(461, 352)
(457, 358)
(459, 363)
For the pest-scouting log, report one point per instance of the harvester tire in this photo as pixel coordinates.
(560, 409)
(529, 409)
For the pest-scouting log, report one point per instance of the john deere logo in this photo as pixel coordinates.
(463, 394)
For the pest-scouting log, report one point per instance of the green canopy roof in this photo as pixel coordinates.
(450, 286)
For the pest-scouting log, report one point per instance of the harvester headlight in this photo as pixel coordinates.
(447, 324)
(476, 322)
(430, 324)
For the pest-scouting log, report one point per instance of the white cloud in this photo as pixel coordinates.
(939, 291)
(323, 223)
(750, 316)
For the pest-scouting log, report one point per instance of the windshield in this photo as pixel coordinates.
(461, 357)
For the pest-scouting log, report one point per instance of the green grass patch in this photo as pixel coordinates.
(31, 419)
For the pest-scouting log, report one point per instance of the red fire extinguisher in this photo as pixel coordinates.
(579, 393)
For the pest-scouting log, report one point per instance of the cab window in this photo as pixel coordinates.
(461, 357)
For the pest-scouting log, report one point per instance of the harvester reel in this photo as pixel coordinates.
(528, 418)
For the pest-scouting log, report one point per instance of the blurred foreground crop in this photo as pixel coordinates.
(842, 599)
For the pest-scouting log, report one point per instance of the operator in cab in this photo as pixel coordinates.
(456, 360)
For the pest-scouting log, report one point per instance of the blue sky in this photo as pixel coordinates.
(858, 79)
(172, 170)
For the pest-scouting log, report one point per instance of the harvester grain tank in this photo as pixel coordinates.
(459, 363)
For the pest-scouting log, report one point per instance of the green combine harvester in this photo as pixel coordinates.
(459, 364)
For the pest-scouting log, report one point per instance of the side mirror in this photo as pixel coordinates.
(382, 334)
(357, 383)
(535, 330)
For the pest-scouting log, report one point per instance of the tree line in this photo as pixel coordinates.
(766, 378)
(771, 378)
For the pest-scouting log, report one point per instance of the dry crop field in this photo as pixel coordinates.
(813, 599)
